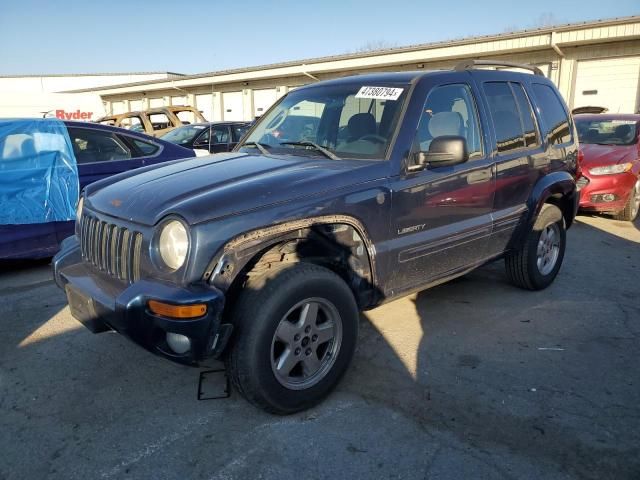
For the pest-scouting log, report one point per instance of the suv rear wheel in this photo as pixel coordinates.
(295, 331)
(535, 265)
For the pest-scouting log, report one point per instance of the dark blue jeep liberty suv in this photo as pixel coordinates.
(347, 193)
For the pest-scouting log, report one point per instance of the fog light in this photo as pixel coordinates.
(608, 197)
(178, 343)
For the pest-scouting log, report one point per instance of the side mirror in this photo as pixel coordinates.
(443, 151)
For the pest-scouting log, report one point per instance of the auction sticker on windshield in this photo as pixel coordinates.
(379, 93)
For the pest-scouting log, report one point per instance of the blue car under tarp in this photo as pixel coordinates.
(39, 186)
(38, 172)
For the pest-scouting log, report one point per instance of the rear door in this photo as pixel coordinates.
(442, 216)
(220, 138)
(520, 158)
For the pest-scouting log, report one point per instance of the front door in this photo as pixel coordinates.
(442, 215)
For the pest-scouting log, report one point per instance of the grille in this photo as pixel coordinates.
(110, 248)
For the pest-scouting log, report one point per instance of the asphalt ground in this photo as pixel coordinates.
(472, 379)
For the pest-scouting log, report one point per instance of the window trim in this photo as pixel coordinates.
(536, 127)
(483, 153)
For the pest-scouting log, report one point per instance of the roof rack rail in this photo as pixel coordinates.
(471, 64)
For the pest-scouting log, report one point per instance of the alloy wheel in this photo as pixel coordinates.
(548, 248)
(306, 343)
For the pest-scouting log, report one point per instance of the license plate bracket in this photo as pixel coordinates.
(83, 309)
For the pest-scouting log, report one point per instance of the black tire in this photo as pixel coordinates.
(522, 264)
(262, 306)
(630, 211)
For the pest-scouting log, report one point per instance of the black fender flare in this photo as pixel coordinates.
(558, 188)
(234, 256)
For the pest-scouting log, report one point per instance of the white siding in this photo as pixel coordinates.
(156, 102)
(262, 100)
(181, 100)
(610, 82)
(232, 106)
(204, 103)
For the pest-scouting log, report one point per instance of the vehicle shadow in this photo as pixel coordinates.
(546, 376)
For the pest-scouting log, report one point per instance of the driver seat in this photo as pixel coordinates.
(361, 124)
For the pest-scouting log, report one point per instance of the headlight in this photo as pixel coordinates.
(79, 213)
(174, 244)
(611, 169)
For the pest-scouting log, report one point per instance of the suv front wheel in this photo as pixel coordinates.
(536, 263)
(295, 332)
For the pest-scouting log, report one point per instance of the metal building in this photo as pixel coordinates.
(593, 63)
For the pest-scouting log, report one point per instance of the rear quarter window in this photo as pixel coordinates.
(556, 121)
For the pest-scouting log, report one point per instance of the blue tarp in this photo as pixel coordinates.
(38, 172)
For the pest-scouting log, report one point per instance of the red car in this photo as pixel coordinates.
(610, 164)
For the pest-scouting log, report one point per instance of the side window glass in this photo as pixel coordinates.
(555, 117)
(450, 110)
(238, 132)
(91, 146)
(506, 116)
(203, 137)
(159, 121)
(146, 149)
(219, 135)
(526, 115)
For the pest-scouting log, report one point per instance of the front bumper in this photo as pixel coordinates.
(103, 303)
(596, 187)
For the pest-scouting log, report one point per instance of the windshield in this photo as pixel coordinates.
(607, 132)
(338, 121)
(183, 135)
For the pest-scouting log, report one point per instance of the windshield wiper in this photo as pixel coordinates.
(258, 145)
(327, 153)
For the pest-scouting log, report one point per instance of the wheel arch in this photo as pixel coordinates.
(559, 189)
(337, 242)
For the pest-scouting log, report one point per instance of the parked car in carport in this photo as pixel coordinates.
(610, 165)
(155, 121)
(100, 151)
(207, 138)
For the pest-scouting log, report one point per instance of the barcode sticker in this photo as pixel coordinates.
(380, 93)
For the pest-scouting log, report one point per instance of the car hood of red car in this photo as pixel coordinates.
(600, 155)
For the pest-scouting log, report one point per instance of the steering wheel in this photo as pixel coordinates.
(372, 137)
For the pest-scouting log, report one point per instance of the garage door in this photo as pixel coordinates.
(204, 103)
(179, 101)
(611, 83)
(117, 107)
(135, 105)
(232, 106)
(262, 100)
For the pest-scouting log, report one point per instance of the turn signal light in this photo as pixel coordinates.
(177, 311)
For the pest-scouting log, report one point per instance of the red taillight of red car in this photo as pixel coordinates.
(579, 163)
